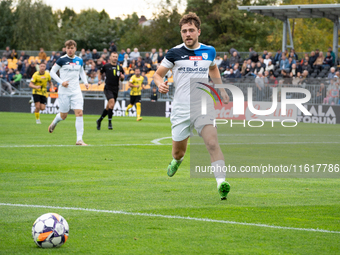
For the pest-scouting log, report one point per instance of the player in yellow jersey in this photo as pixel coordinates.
(136, 84)
(39, 85)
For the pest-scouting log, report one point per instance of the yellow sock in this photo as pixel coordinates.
(129, 107)
(37, 115)
(138, 109)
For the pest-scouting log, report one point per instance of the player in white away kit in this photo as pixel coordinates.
(191, 60)
(69, 92)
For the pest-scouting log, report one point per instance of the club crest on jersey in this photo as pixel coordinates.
(195, 58)
(205, 55)
(77, 62)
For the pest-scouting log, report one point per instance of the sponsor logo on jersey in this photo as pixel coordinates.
(185, 56)
(195, 58)
(73, 64)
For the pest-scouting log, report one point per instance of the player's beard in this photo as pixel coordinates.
(190, 44)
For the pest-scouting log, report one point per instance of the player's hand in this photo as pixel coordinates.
(38, 87)
(163, 87)
(65, 84)
(122, 77)
(99, 82)
(87, 86)
(225, 97)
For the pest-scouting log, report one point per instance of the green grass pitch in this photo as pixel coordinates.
(122, 171)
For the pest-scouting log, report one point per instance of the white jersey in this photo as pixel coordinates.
(70, 69)
(188, 64)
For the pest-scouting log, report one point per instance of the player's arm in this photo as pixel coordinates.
(158, 78)
(215, 76)
(55, 77)
(83, 77)
(99, 77)
(31, 85)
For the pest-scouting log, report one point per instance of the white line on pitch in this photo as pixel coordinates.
(167, 144)
(173, 217)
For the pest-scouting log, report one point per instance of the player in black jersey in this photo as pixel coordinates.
(113, 72)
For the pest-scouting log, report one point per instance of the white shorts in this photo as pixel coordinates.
(67, 102)
(182, 130)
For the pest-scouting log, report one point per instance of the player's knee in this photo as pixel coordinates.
(212, 145)
(178, 154)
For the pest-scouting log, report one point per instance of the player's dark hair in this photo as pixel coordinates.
(137, 68)
(113, 52)
(190, 18)
(70, 43)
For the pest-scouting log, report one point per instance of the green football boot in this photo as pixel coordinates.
(173, 167)
(223, 190)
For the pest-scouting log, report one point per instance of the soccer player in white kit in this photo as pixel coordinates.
(70, 96)
(192, 60)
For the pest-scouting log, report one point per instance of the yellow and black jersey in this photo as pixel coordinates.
(41, 80)
(136, 81)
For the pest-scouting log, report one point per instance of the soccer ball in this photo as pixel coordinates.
(50, 230)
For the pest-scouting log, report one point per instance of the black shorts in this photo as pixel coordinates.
(111, 93)
(134, 99)
(39, 98)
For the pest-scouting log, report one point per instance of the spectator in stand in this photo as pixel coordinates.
(253, 55)
(332, 54)
(121, 56)
(24, 56)
(265, 53)
(57, 55)
(291, 61)
(93, 79)
(147, 59)
(16, 79)
(128, 51)
(154, 95)
(270, 66)
(63, 51)
(232, 50)
(305, 59)
(21, 67)
(243, 68)
(318, 62)
(88, 54)
(317, 53)
(284, 63)
(95, 55)
(261, 60)
(218, 60)
(135, 54)
(328, 61)
(293, 71)
(259, 89)
(104, 61)
(10, 74)
(277, 57)
(267, 60)
(4, 61)
(54, 57)
(133, 64)
(251, 71)
(224, 64)
(30, 70)
(105, 54)
(25, 65)
(82, 55)
(234, 59)
(331, 73)
(3, 71)
(293, 54)
(113, 47)
(306, 67)
(14, 54)
(312, 59)
(154, 56)
(259, 69)
(93, 69)
(320, 94)
(304, 78)
(286, 79)
(37, 65)
(160, 57)
(99, 63)
(87, 67)
(231, 76)
(42, 55)
(126, 62)
(272, 81)
(333, 91)
(237, 70)
(6, 53)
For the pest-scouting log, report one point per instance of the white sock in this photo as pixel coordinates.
(219, 173)
(178, 160)
(57, 119)
(79, 128)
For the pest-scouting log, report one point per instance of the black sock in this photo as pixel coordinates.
(103, 114)
(110, 113)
